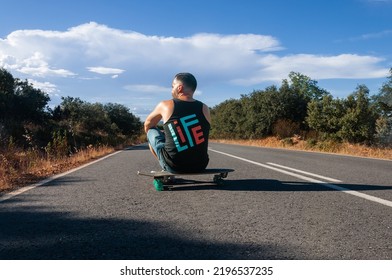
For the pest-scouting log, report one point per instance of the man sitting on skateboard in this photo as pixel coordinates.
(183, 147)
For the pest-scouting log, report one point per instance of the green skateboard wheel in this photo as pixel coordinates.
(158, 184)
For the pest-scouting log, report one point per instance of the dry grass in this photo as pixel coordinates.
(19, 168)
(295, 143)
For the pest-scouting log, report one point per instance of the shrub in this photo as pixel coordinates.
(284, 128)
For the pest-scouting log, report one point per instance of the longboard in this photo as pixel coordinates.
(163, 180)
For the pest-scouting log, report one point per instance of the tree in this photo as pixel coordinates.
(295, 95)
(6, 92)
(305, 86)
(95, 123)
(385, 95)
(227, 119)
(26, 117)
(352, 119)
(23, 108)
(257, 114)
(6, 99)
(294, 104)
(122, 118)
(264, 110)
(30, 103)
(383, 103)
(359, 121)
(324, 116)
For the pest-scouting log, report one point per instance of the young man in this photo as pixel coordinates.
(183, 147)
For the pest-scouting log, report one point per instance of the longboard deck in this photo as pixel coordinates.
(163, 179)
(157, 174)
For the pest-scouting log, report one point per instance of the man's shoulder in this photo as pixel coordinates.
(165, 104)
(166, 109)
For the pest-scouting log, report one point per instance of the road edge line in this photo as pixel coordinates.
(51, 178)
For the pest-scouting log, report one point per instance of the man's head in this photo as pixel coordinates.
(184, 83)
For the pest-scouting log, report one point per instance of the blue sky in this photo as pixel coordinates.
(128, 51)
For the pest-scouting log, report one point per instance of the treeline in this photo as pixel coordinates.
(300, 107)
(26, 120)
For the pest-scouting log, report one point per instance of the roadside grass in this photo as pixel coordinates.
(295, 143)
(19, 167)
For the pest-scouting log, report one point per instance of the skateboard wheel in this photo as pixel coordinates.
(158, 184)
(218, 180)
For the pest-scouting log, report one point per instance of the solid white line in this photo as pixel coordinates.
(359, 194)
(45, 181)
(306, 173)
(338, 188)
(269, 167)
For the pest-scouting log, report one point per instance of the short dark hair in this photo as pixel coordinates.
(187, 79)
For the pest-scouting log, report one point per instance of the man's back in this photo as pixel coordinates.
(187, 132)
(184, 145)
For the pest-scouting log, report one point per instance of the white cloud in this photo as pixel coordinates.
(34, 65)
(145, 64)
(50, 53)
(376, 35)
(105, 70)
(379, 1)
(148, 88)
(344, 66)
(47, 87)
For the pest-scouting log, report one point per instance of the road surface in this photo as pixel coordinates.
(278, 204)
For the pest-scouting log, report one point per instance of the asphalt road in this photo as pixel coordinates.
(278, 204)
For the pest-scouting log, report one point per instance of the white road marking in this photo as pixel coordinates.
(338, 188)
(306, 173)
(43, 182)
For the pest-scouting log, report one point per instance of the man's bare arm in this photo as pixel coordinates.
(153, 118)
(206, 112)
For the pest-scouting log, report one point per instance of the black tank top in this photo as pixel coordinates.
(187, 131)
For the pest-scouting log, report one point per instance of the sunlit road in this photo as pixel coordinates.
(278, 204)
